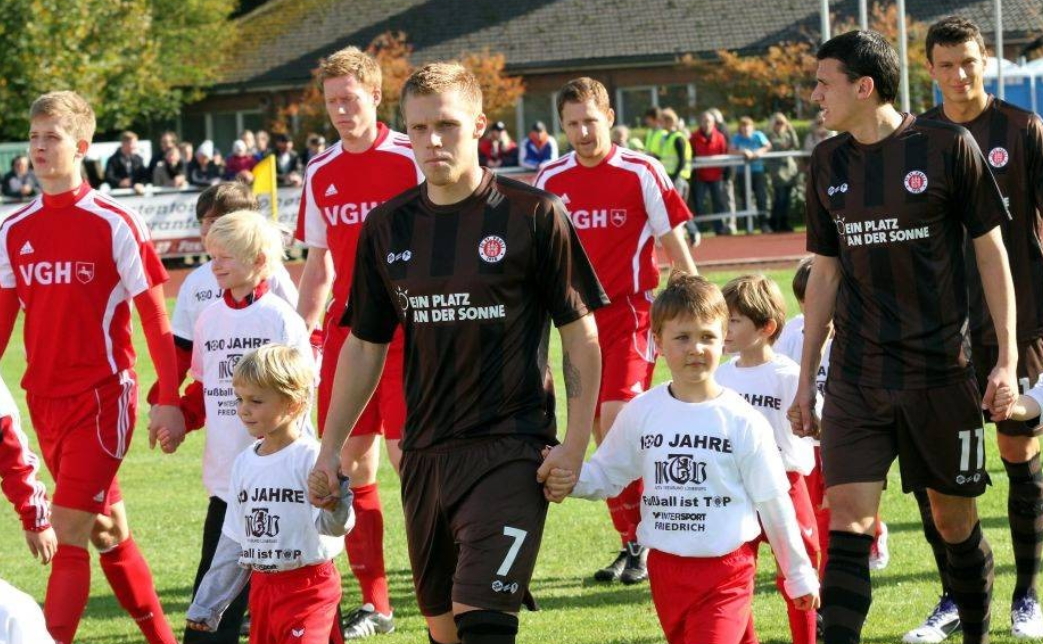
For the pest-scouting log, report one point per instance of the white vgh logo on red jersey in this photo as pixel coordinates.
(85, 272)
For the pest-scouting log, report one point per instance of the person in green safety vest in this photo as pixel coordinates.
(654, 138)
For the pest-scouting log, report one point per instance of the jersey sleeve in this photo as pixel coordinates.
(18, 476)
(370, 312)
(311, 227)
(136, 260)
(232, 527)
(181, 322)
(822, 230)
(7, 279)
(977, 199)
(759, 461)
(666, 210)
(616, 462)
(564, 275)
(282, 285)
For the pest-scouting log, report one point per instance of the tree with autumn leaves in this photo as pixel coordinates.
(392, 52)
(783, 78)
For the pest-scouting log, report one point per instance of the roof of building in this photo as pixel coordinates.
(283, 40)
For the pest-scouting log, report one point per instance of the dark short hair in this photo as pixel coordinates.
(865, 53)
(581, 90)
(800, 278)
(654, 113)
(688, 296)
(225, 197)
(951, 31)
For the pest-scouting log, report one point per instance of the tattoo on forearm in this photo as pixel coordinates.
(573, 381)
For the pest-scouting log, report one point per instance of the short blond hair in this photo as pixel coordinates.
(278, 368)
(247, 235)
(73, 112)
(581, 90)
(441, 78)
(758, 298)
(352, 61)
(688, 296)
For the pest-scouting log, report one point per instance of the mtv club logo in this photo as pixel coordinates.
(262, 523)
(492, 249)
(84, 272)
(916, 182)
(680, 469)
(226, 367)
(998, 157)
(618, 217)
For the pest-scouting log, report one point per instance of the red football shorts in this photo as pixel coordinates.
(703, 600)
(627, 349)
(84, 438)
(386, 412)
(297, 606)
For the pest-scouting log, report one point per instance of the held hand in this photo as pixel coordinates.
(801, 415)
(559, 485)
(169, 418)
(810, 601)
(197, 626)
(42, 544)
(561, 458)
(324, 484)
(1002, 376)
(1002, 399)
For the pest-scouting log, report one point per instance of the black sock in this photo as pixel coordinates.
(1025, 514)
(486, 627)
(846, 588)
(970, 578)
(934, 539)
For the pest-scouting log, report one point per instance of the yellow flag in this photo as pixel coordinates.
(265, 182)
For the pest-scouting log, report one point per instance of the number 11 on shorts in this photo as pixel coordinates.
(966, 441)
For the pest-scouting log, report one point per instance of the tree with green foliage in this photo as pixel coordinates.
(134, 60)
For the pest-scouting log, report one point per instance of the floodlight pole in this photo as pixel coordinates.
(903, 55)
(1000, 89)
(824, 20)
(863, 14)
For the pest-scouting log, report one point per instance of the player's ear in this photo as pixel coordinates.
(866, 86)
(260, 261)
(611, 115)
(480, 124)
(769, 328)
(658, 342)
(378, 94)
(82, 146)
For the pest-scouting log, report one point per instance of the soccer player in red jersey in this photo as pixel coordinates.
(370, 165)
(620, 202)
(74, 260)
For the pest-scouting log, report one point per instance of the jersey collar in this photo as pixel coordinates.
(66, 199)
(250, 298)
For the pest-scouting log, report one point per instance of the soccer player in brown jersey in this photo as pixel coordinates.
(474, 267)
(890, 201)
(1012, 140)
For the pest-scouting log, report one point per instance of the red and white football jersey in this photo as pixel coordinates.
(19, 468)
(76, 260)
(619, 207)
(341, 188)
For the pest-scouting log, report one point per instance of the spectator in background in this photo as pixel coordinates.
(621, 137)
(818, 133)
(496, 149)
(262, 145)
(187, 151)
(239, 165)
(654, 138)
(783, 172)
(20, 182)
(203, 171)
(676, 153)
(315, 145)
(125, 168)
(287, 162)
(539, 148)
(167, 140)
(752, 144)
(170, 171)
(709, 182)
(247, 137)
(729, 171)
